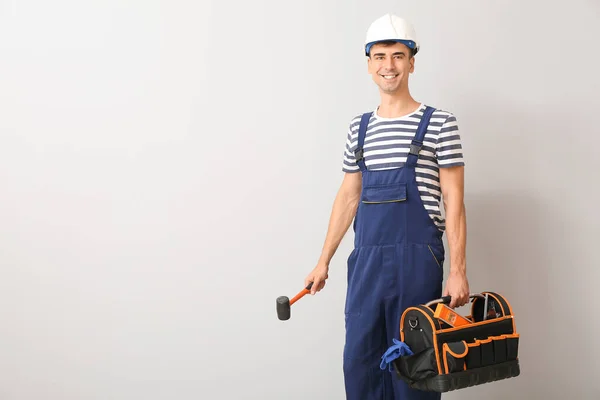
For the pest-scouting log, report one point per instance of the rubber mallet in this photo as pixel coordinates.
(284, 304)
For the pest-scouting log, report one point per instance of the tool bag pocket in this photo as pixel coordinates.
(487, 352)
(447, 358)
(418, 366)
(492, 350)
(512, 346)
(453, 355)
(473, 359)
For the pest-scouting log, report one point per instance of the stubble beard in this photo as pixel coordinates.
(390, 88)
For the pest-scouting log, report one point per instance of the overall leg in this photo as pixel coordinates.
(365, 327)
(363, 379)
(419, 281)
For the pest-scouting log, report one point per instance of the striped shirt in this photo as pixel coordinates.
(387, 143)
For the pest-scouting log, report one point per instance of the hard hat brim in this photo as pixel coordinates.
(408, 43)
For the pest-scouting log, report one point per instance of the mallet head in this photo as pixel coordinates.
(283, 308)
(284, 304)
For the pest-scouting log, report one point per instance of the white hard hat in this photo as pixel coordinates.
(391, 27)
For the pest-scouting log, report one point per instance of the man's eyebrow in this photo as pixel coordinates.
(394, 54)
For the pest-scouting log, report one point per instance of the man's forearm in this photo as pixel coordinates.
(342, 214)
(456, 231)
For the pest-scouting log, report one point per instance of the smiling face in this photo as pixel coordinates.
(390, 65)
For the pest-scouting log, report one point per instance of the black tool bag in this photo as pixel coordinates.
(447, 358)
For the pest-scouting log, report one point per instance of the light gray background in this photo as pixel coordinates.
(167, 170)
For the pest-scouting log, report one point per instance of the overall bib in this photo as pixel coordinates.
(396, 263)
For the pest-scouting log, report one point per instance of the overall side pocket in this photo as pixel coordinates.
(437, 254)
(354, 283)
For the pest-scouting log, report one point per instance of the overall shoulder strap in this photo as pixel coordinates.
(362, 132)
(417, 142)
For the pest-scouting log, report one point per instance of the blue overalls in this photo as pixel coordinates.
(396, 263)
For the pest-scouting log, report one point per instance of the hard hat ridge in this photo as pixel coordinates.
(391, 28)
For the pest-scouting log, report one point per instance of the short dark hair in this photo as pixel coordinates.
(391, 43)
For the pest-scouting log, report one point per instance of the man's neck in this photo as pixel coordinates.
(393, 106)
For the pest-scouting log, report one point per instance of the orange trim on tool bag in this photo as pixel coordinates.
(461, 355)
(507, 336)
(475, 324)
(436, 325)
(497, 301)
(495, 296)
(511, 313)
(446, 349)
(430, 312)
(433, 333)
(402, 321)
(498, 338)
(509, 306)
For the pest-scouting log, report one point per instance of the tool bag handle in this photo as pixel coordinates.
(447, 299)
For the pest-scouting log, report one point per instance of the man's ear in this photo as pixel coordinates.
(412, 64)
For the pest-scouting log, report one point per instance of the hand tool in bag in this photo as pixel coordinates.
(284, 304)
(449, 316)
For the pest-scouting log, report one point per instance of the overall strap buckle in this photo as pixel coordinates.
(359, 153)
(414, 148)
(417, 143)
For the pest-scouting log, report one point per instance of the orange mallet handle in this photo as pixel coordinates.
(301, 294)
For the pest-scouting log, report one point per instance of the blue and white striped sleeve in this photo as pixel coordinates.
(349, 161)
(449, 151)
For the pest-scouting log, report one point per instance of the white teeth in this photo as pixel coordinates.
(389, 76)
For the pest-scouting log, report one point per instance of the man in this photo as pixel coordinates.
(399, 161)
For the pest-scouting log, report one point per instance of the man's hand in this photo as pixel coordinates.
(457, 286)
(317, 276)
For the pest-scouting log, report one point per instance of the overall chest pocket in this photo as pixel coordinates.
(387, 193)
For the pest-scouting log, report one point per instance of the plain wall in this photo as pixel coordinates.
(167, 170)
